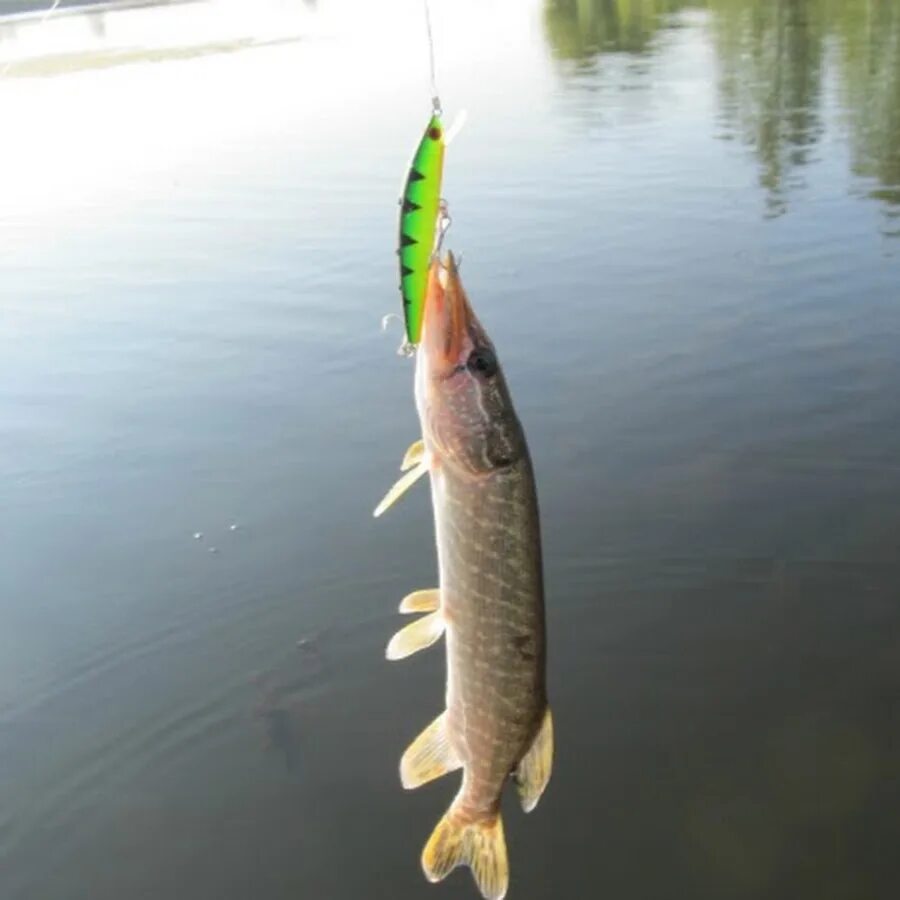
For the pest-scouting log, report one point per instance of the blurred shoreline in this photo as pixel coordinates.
(30, 9)
(87, 35)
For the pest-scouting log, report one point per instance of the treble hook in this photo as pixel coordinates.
(405, 348)
(443, 224)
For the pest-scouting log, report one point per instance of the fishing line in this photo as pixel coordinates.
(435, 99)
(460, 119)
(50, 11)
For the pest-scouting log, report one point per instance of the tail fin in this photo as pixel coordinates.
(479, 845)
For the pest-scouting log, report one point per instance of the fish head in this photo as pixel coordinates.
(467, 416)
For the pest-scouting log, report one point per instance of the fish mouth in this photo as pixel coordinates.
(447, 317)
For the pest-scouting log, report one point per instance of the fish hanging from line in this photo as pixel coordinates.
(490, 600)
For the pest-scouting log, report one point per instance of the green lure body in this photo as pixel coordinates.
(418, 219)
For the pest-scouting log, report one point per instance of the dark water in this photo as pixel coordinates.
(680, 222)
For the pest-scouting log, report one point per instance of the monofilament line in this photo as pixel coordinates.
(435, 99)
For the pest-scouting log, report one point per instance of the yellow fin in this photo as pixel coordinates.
(429, 756)
(415, 454)
(533, 771)
(479, 845)
(421, 601)
(400, 488)
(416, 636)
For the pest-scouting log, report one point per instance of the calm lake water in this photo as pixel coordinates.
(680, 222)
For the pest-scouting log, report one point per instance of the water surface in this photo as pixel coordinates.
(679, 222)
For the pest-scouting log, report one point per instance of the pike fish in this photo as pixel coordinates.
(490, 599)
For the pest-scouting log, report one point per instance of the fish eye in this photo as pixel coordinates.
(482, 361)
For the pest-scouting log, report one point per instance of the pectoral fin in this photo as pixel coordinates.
(429, 756)
(415, 454)
(417, 636)
(400, 488)
(533, 771)
(421, 601)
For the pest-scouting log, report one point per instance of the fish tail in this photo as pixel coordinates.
(480, 845)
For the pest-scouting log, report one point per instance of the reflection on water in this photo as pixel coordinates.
(869, 61)
(578, 29)
(771, 58)
(774, 60)
(281, 692)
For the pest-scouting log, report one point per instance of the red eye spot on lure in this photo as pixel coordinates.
(434, 133)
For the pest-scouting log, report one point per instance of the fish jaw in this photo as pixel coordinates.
(465, 410)
(448, 319)
(446, 341)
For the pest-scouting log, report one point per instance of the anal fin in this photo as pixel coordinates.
(427, 600)
(416, 636)
(429, 756)
(533, 771)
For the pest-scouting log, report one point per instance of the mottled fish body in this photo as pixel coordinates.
(490, 602)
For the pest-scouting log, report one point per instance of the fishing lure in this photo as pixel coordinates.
(419, 208)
